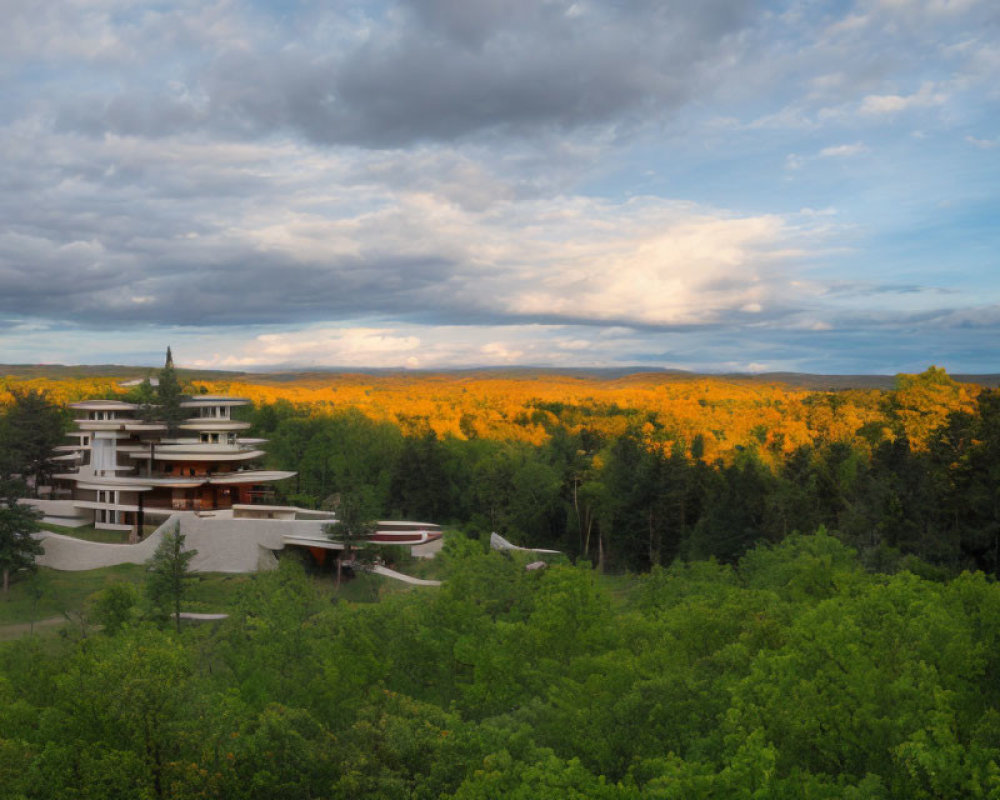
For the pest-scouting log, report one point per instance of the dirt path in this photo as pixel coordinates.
(18, 629)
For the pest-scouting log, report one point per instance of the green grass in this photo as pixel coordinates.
(51, 593)
(88, 533)
(91, 534)
(620, 587)
(55, 593)
(213, 592)
(367, 588)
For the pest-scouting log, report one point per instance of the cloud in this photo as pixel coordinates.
(364, 174)
(843, 150)
(390, 75)
(927, 96)
(415, 346)
(983, 144)
(349, 347)
(185, 231)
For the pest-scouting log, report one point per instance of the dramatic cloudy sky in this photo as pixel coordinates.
(721, 184)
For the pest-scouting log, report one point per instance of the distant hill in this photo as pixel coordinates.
(63, 371)
(798, 380)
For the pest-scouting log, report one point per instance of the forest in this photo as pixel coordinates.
(765, 592)
(905, 477)
(795, 673)
(639, 470)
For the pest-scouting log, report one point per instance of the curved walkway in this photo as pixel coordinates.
(399, 576)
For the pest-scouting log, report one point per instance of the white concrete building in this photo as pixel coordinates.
(124, 470)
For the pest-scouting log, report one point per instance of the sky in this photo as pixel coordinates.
(722, 185)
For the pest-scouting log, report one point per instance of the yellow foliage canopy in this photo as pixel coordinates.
(668, 409)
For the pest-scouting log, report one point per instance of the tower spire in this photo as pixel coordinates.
(170, 359)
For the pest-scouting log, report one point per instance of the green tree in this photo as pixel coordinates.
(145, 396)
(169, 574)
(170, 395)
(354, 525)
(17, 522)
(116, 728)
(419, 485)
(112, 606)
(30, 429)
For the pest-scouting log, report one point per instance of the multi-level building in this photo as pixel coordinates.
(128, 468)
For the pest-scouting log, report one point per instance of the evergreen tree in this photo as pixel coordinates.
(170, 396)
(169, 573)
(30, 429)
(145, 396)
(17, 522)
(354, 525)
(419, 485)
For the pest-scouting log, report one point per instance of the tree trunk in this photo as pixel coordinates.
(654, 543)
(6, 580)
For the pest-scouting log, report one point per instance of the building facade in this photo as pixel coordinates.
(127, 470)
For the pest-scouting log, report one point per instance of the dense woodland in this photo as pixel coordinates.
(796, 673)
(917, 479)
(793, 597)
(637, 470)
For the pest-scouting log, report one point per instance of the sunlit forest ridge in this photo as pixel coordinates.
(724, 414)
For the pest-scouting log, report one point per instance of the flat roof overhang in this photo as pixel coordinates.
(213, 424)
(199, 455)
(135, 484)
(119, 425)
(203, 400)
(250, 476)
(309, 541)
(113, 483)
(104, 405)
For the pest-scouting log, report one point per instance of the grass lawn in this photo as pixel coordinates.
(213, 592)
(88, 532)
(54, 593)
(92, 534)
(51, 593)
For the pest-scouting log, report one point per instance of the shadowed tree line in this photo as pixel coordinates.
(643, 498)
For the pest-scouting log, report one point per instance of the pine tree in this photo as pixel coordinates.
(17, 522)
(169, 573)
(170, 396)
(353, 527)
(145, 396)
(31, 428)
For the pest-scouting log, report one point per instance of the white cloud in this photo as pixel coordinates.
(934, 7)
(416, 346)
(880, 104)
(794, 161)
(983, 144)
(843, 150)
(353, 347)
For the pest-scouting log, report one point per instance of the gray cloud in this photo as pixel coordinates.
(431, 70)
(220, 166)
